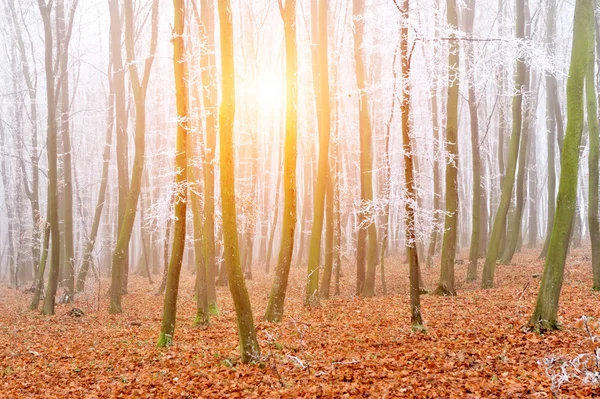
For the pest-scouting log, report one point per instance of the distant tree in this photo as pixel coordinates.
(499, 225)
(544, 316)
(249, 349)
(181, 169)
(91, 239)
(274, 310)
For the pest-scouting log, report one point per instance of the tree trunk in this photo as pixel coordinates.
(52, 153)
(91, 241)
(545, 314)
(367, 219)
(181, 164)
(121, 255)
(551, 123)
(446, 283)
(274, 310)
(408, 150)
(592, 118)
(67, 206)
(323, 116)
(499, 226)
(249, 349)
(469, 19)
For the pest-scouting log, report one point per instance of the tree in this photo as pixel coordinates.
(139, 88)
(53, 84)
(209, 96)
(66, 156)
(499, 225)
(367, 241)
(468, 21)
(249, 349)
(592, 119)
(516, 216)
(544, 317)
(33, 191)
(91, 239)
(181, 164)
(446, 283)
(274, 310)
(409, 150)
(553, 121)
(323, 116)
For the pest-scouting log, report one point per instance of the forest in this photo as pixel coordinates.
(299, 198)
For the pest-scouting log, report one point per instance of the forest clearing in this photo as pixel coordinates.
(474, 345)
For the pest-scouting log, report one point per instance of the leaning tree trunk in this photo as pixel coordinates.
(274, 310)
(181, 164)
(499, 226)
(446, 283)
(545, 314)
(249, 349)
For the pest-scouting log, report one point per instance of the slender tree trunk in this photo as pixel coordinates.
(194, 176)
(274, 225)
(91, 241)
(38, 284)
(446, 283)
(52, 153)
(69, 261)
(274, 310)
(33, 192)
(551, 123)
(545, 314)
(139, 87)
(181, 165)
(408, 150)
(468, 20)
(592, 119)
(249, 349)
(368, 238)
(499, 226)
(323, 114)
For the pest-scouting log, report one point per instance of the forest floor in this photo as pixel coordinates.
(474, 344)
